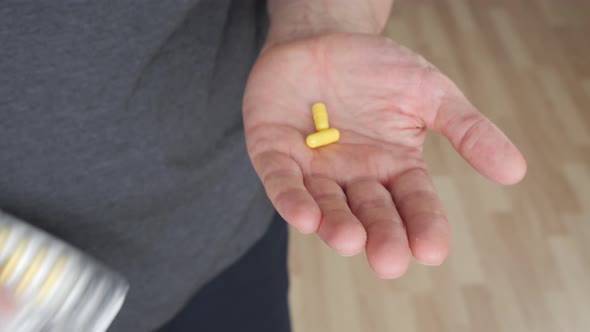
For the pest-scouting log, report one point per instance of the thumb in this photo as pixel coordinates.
(477, 139)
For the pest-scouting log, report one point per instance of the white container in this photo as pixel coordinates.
(54, 286)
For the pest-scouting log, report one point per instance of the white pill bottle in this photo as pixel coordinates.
(53, 286)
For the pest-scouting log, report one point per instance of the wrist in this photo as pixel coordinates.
(300, 19)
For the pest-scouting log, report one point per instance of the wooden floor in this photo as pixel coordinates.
(520, 259)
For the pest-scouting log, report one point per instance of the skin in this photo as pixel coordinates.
(372, 190)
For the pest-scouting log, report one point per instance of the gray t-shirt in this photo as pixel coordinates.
(121, 133)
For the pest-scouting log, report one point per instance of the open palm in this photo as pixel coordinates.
(370, 190)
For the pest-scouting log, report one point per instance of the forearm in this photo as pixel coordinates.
(291, 19)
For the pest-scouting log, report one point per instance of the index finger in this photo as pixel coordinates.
(282, 179)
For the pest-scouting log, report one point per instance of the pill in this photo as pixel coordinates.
(13, 260)
(320, 116)
(323, 137)
(4, 232)
(31, 271)
(52, 277)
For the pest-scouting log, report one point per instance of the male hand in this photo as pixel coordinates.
(370, 190)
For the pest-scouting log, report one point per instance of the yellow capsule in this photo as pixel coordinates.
(4, 232)
(51, 278)
(31, 271)
(320, 116)
(324, 137)
(12, 261)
